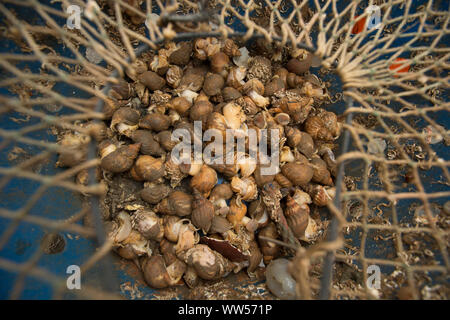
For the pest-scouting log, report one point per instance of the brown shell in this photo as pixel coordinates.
(306, 145)
(182, 55)
(202, 212)
(282, 118)
(155, 121)
(121, 90)
(221, 191)
(121, 159)
(154, 193)
(200, 111)
(178, 203)
(298, 110)
(220, 225)
(300, 66)
(149, 168)
(255, 256)
(230, 94)
(298, 174)
(152, 80)
(193, 80)
(155, 274)
(315, 126)
(213, 84)
(204, 180)
(237, 211)
(297, 216)
(282, 73)
(269, 249)
(181, 105)
(208, 264)
(293, 80)
(165, 140)
(148, 224)
(227, 170)
(262, 179)
(167, 249)
(125, 115)
(219, 61)
(230, 48)
(283, 181)
(273, 86)
(321, 173)
(149, 145)
(330, 121)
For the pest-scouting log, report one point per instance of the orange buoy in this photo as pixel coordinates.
(394, 66)
(359, 25)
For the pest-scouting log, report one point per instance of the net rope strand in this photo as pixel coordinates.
(396, 100)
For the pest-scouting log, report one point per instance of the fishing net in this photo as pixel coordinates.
(384, 65)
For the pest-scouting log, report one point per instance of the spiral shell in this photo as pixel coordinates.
(321, 173)
(230, 48)
(148, 224)
(202, 212)
(246, 188)
(301, 63)
(182, 54)
(149, 146)
(219, 61)
(149, 168)
(213, 84)
(208, 264)
(125, 121)
(152, 80)
(153, 193)
(155, 121)
(158, 276)
(297, 216)
(177, 203)
(237, 211)
(270, 250)
(121, 159)
(315, 126)
(204, 180)
(298, 174)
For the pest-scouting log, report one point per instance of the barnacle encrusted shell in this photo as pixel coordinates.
(260, 68)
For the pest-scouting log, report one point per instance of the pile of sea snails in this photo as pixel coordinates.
(208, 229)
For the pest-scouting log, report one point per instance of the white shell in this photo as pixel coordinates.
(242, 60)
